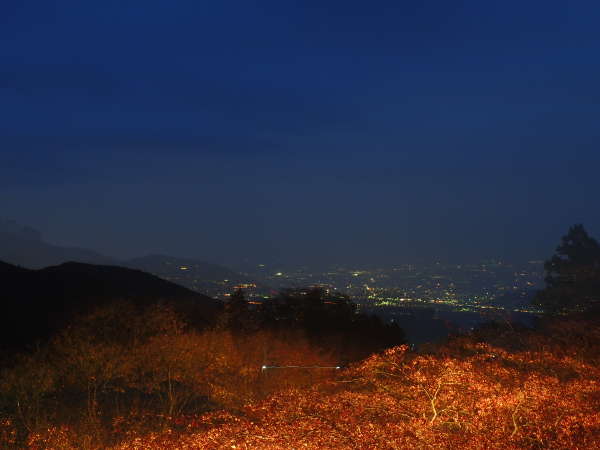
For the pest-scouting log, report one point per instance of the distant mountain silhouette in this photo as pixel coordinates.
(35, 303)
(23, 246)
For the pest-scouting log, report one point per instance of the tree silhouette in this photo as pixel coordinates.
(331, 320)
(572, 275)
(312, 309)
(237, 315)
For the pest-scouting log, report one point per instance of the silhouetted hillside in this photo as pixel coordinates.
(9, 269)
(37, 302)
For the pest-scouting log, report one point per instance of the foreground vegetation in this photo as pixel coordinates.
(306, 369)
(127, 380)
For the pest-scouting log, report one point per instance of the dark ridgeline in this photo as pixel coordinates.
(36, 303)
(24, 246)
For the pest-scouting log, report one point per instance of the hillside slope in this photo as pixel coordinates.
(37, 302)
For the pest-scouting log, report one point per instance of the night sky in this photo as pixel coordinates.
(301, 131)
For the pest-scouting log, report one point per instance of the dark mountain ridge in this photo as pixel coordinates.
(36, 303)
(24, 246)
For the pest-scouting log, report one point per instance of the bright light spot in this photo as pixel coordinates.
(278, 274)
(183, 268)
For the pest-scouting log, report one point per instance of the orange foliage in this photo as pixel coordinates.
(8, 431)
(467, 395)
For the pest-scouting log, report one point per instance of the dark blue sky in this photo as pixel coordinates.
(301, 131)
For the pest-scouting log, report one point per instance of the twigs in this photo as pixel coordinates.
(514, 416)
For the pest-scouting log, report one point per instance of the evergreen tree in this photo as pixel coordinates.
(572, 275)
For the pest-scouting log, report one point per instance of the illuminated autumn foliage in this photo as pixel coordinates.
(468, 395)
(518, 389)
(119, 371)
